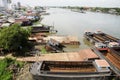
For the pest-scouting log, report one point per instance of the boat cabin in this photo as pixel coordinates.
(89, 34)
(101, 46)
(53, 45)
(102, 66)
(113, 44)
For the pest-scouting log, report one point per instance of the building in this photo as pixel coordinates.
(6, 4)
(19, 5)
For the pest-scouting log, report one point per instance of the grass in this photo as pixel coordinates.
(5, 72)
(43, 50)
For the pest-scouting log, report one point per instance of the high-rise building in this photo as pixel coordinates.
(19, 5)
(6, 3)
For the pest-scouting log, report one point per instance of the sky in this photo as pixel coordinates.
(91, 3)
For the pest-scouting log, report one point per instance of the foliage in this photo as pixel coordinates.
(15, 38)
(94, 9)
(19, 64)
(106, 10)
(1, 14)
(5, 72)
(43, 50)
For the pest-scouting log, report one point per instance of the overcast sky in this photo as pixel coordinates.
(96, 3)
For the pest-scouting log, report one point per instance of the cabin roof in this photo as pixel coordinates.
(37, 25)
(113, 43)
(102, 63)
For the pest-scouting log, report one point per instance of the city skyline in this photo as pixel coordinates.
(89, 3)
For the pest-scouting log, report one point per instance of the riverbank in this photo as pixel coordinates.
(114, 11)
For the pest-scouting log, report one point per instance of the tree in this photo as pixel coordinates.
(15, 39)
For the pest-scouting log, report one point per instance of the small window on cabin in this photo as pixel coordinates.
(103, 68)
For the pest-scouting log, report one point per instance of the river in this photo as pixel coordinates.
(68, 22)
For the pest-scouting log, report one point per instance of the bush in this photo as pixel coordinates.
(5, 72)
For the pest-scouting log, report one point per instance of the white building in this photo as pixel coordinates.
(5, 3)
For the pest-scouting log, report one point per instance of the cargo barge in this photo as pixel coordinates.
(99, 36)
(109, 46)
(102, 41)
(77, 70)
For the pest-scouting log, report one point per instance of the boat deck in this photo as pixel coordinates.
(113, 59)
(101, 38)
(67, 66)
(82, 55)
(114, 56)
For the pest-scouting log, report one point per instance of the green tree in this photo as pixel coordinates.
(15, 39)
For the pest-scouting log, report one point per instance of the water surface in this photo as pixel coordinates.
(74, 23)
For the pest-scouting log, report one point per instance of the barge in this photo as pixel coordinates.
(40, 28)
(99, 36)
(101, 41)
(109, 46)
(77, 70)
(114, 56)
(65, 40)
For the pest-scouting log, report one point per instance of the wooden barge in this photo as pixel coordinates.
(99, 36)
(113, 56)
(58, 70)
(40, 28)
(105, 42)
(64, 40)
(102, 41)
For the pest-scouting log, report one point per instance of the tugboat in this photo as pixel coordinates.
(54, 46)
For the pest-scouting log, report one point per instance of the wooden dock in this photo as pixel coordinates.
(82, 55)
